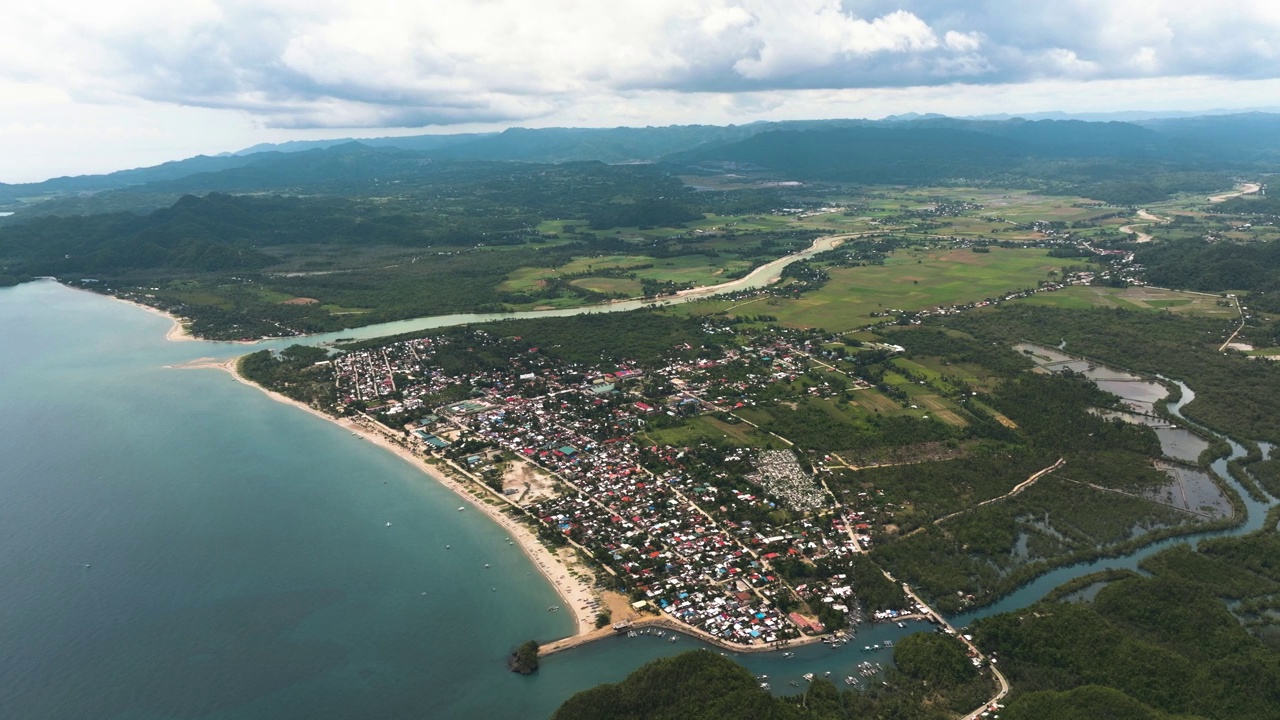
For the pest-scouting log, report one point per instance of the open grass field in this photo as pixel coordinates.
(909, 280)
(1133, 298)
(696, 269)
(970, 373)
(622, 286)
(707, 428)
(874, 402)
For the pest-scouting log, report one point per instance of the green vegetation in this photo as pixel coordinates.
(908, 279)
(706, 686)
(1234, 394)
(293, 372)
(524, 659)
(1157, 646)
(1083, 297)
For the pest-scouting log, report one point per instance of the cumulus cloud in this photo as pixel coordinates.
(396, 63)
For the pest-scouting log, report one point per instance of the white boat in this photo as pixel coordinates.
(388, 524)
(808, 677)
(486, 564)
(459, 509)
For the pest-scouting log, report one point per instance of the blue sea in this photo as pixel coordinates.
(174, 544)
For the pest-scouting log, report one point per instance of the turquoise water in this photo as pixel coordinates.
(174, 544)
(238, 559)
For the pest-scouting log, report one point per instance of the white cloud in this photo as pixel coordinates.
(296, 64)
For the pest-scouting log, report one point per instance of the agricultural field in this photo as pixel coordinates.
(1133, 298)
(910, 279)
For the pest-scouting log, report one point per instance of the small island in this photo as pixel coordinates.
(524, 659)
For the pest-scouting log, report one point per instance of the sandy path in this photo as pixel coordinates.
(577, 593)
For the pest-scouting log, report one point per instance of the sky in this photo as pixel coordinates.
(96, 86)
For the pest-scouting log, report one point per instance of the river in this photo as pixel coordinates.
(760, 277)
(1140, 394)
(176, 545)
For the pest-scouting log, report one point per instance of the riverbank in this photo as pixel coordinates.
(760, 277)
(571, 578)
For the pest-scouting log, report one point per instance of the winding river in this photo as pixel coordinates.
(1256, 512)
(622, 653)
(762, 276)
(1141, 396)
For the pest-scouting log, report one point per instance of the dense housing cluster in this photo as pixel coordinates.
(685, 530)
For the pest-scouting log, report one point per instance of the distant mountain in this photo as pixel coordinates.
(12, 194)
(901, 148)
(410, 142)
(1242, 136)
(1137, 116)
(924, 150)
(545, 145)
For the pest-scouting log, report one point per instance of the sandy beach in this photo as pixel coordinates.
(571, 577)
(177, 332)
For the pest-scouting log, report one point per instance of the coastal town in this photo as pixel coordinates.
(684, 531)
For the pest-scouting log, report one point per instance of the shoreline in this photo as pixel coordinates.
(574, 593)
(178, 332)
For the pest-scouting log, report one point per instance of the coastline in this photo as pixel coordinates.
(574, 592)
(178, 332)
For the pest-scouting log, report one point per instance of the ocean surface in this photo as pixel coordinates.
(174, 544)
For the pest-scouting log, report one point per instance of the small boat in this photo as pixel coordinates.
(764, 686)
(459, 508)
(486, 564)
(808, 677)
(788, 654)
(795, 684)
(673, 638)
(902, 624)
(762, 677)
(388, 524)
(448, 547)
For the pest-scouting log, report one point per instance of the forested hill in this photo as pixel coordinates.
(1121, 163)
(462, 204)
(924, 149)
